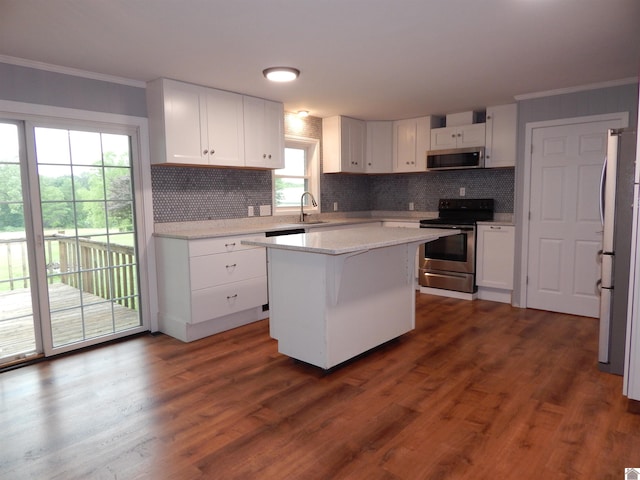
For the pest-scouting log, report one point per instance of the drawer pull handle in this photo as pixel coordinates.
(234, 265)
(229, 297)
(230, 244)
(496, 228)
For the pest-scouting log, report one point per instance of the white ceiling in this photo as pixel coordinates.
(370, 59)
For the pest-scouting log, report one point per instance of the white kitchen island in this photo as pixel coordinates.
(336, 294)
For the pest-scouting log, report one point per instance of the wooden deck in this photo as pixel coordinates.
(100, 318)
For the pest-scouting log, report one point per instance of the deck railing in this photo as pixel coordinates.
(105, 270)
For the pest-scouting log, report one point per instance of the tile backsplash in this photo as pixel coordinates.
(182, 194)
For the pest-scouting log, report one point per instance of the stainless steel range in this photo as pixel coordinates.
(450, 262)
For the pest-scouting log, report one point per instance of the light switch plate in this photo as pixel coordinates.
(250, 211)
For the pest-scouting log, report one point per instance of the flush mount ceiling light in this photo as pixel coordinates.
(281, 74)
(303, 113)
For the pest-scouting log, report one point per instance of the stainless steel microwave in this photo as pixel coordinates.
(457, 158)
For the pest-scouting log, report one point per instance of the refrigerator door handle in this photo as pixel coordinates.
(605, 317)
(603, 177)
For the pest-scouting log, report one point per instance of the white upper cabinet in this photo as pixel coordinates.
(410, 144)
(379, 147)
(472, 135)
(343, 145)
(224, 130)
(263, 133)
(175, 123)
(501, 124)
(194, 125)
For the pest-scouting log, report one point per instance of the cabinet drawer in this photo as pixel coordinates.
(213, 270)
(208, 246)
(234, 297)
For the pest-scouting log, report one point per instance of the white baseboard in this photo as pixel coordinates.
(494, 294)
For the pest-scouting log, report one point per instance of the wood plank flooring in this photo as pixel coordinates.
(479, 390)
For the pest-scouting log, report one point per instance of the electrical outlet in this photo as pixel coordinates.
(250, 212)
(463, 191)
(265, 210)
(410, 205)
(335, 206)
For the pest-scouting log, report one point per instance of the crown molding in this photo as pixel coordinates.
(22, 62)
(580, 88)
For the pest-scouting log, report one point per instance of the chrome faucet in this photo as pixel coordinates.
(313, 202)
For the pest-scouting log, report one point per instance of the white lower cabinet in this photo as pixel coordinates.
(495, 262)
(209, 285)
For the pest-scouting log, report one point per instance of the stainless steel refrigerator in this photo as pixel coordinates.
(631, 385)
(616, 208)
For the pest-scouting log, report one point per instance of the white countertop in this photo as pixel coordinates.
(225, 231)
(336, 242)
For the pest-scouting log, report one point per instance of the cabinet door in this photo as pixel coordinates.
(423, 142)
(274, 134)
(500, 136)
(379, 147)
(353, 145)
(444, 138)
(225, 131)
(411, 140)
(184, 124)
(264, 133)
(214, 302)
(404, 145)
(495, 256)
(470, 135)
(214, 270)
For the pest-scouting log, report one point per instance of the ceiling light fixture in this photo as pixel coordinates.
(281, 74)
(303, 113)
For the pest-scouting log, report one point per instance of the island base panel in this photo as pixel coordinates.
(326, 309)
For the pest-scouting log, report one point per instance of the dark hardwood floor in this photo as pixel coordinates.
(479, 390)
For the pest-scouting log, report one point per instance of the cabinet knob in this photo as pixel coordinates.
(264, 155)
(205, 152)
(453, 135)
(269, 155)
(212, 152)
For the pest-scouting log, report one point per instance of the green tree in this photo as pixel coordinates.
(11, 213)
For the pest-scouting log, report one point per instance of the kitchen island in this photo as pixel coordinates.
(336, 294)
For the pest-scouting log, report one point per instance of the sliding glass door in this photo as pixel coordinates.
(18, 336)
(79, 189)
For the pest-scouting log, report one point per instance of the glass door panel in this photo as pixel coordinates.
(17, 327)
(88, 223)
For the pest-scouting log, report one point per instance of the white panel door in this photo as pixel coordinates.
(565, 233)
